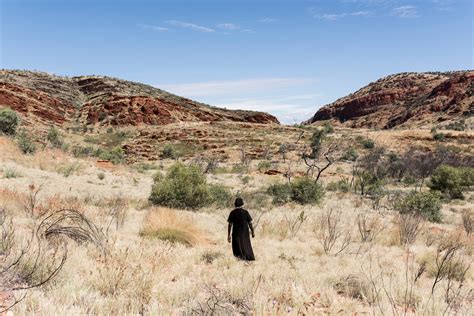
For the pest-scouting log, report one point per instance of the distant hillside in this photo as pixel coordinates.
(46, 99)
(405, 100)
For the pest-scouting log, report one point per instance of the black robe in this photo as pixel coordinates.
(241, 246)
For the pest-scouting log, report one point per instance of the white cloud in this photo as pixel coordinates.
(337, 16)
(289, 110)
(228, 26)
(192, 26)
(290, 99)
(444, 5)
(406, 11)
(267, 20)
(153, 27)
(215, 88)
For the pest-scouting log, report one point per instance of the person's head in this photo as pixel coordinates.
(239, 202)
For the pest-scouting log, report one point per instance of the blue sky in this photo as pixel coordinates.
(286, 57)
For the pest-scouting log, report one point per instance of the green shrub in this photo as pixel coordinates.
(9, 121)
(101, 176)
(368, 143)
(10, 173)
(108, 140)
(350, 154)
(317, 139)
(182, 187)
(342, 185)
(328, 128)
(220, 196)
(303, 191)
(457, 126)
(367, 182)
(409, 180)
(114, 155)
(68, 169)
(246, 179)
(169, 152)
(83, 151)
(306, 191)
(452, 181)
(425, 204)
(254, 200)
(54, 138)
(25, 142)
(281, 193)
(439, 137)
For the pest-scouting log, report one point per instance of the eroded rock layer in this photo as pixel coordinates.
(46, 99)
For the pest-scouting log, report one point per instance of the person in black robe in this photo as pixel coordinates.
(240, 222)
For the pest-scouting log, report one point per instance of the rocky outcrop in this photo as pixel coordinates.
(46, 99)
(405, 100)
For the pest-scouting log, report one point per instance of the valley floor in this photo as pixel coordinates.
(293, 274)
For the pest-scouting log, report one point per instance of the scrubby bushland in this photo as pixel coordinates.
(186, 187)
(25, 142)
(422, 164)
(370, 172)
(452, 181)
(8, 121)
(169, 152)
(55, 138)
(369, 144)
(306, 191)
(317, 139)
(457, 126)
(439, 136)
(182, 187)
(220, 196)
(342, 185)
(350, 154)
(114, 155)
(328, 128)
(303, 191)
(424, 204)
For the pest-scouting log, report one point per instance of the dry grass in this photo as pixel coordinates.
(193, 270)
(171, 226)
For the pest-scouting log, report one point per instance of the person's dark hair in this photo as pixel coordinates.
(239, 202)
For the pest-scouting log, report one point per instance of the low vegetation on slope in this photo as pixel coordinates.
(345, 222)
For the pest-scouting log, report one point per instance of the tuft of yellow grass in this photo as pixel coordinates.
(172, 226)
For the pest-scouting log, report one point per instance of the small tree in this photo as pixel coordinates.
(8, 121)
(25, 142)
(54, 137)
(322, 154)
(182, 187)
(306, 191)
(169, 152)
(424, 204)
(452, 181)
(303, 190)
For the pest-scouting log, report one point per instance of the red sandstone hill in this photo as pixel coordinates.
(46, 99)
(405, 100)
